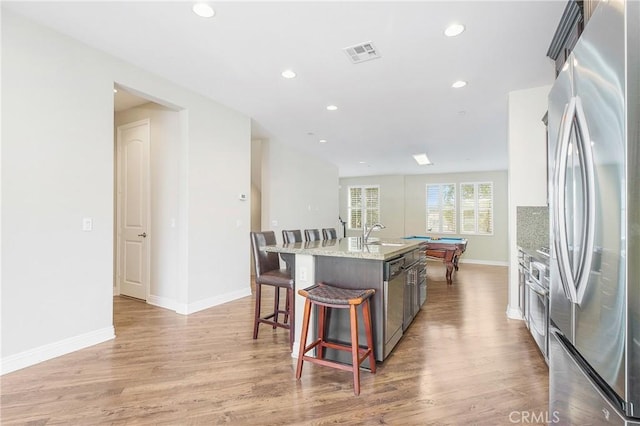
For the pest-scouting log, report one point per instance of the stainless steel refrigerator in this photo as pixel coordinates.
(594, 204)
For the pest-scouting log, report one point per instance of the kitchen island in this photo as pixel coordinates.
(390, 266)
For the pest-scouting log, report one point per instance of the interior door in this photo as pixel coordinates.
(133, 209)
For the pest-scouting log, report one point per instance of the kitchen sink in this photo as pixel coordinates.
(385, 243)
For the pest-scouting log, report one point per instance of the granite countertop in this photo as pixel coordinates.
(352, 247)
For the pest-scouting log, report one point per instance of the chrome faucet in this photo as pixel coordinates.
(366, 232)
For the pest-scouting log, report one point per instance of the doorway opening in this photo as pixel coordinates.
(147, 135)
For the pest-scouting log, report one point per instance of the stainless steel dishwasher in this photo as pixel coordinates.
(394, 282)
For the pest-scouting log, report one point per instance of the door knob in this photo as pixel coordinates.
(143, 235)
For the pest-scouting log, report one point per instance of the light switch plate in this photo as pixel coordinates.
(87, 224)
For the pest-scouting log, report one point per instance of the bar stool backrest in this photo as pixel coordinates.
(329, 234)
(311, 235)
(264, 261)
(291, 236)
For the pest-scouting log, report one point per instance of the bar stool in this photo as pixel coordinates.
(329, 233)
(311, 235)
(268, 272)
(291, 236)
(326, 296)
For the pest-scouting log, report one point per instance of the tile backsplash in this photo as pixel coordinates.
(532, 226)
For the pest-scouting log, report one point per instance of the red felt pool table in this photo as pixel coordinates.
(447, 249)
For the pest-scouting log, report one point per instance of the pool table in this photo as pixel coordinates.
(445, 248)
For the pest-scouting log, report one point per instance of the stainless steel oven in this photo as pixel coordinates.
(539, 273)
(524, 260)
(537, 305)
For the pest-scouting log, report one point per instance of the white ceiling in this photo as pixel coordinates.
(389, 108)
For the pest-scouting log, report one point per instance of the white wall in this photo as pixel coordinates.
(527, 169)
(219, 163)
(298, 191)
(57, 167)
(402, 209)
(164, 174)
(256, 185)
(255, 198)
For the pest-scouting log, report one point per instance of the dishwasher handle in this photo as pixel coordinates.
(393, 268)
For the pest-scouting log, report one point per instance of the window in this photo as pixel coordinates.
(441, 208)
(476, 208)
(364, 202)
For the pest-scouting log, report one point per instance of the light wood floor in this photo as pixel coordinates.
(462, 362)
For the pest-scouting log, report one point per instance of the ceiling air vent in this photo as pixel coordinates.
(362, 52)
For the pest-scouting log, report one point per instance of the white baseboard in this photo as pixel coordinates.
(485, 262)
(162, 302)
(54, 350)
(186, 309)
(514, 312)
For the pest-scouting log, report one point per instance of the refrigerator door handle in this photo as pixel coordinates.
(574, 280)
(559, 223)
(586, 256)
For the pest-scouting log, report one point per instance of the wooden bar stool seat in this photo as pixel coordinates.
(327, 296)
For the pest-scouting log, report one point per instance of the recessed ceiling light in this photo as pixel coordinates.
(422, 159)
(288, 74)
(454, 30)
(203, 10)
(323, 141)
(332, 107)
(362, 162)
(458, 84)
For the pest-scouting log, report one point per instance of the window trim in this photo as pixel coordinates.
(363, 200)
(476, 209)
(440, 208)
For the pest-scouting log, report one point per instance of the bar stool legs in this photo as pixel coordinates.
(355, 347)
(273, 319)
(324, 297)
(276, 306)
